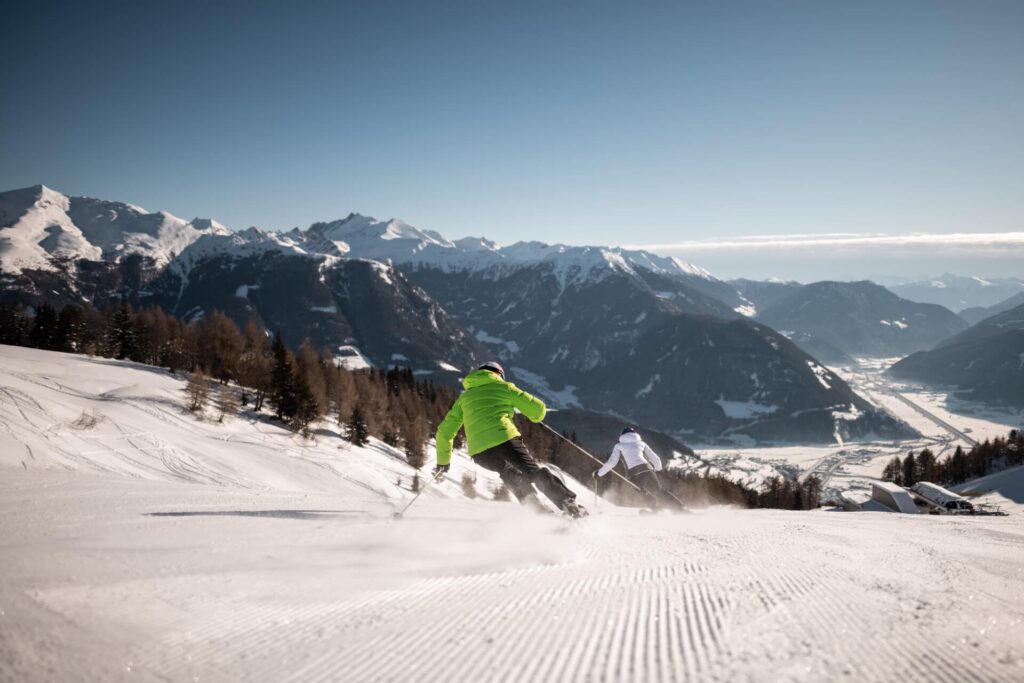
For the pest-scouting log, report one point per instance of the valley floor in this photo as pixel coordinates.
(139, 543)
(943, 421)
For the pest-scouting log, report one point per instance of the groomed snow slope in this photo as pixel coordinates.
(71, 412)
(152, 550)
(1005, 489)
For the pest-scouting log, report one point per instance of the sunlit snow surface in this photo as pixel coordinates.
(142, 544)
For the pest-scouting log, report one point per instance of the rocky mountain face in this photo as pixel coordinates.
(625, 333)
(653, 340)
(356, 307)
(614, 345)
(839, 319)
(985, 360)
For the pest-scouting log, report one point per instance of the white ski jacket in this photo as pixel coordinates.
(634, 451)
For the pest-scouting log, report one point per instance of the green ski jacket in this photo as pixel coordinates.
(486, 409)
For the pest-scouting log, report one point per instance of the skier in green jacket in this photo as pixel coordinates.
(486, 410)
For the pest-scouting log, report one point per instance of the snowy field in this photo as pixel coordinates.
(142, 544)
(943, 421)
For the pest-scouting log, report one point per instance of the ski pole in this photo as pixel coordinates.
(433, 480)
(580, 449)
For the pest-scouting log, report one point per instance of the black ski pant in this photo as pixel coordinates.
(521, 472)
(650, 486)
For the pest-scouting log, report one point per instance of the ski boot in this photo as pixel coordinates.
(575, 510)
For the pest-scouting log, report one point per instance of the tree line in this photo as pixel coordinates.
(304, 385)
(984, 458)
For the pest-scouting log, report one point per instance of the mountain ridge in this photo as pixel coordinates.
(589, 327)
(859, 319)
(986, 360)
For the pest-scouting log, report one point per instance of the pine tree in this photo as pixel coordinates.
(154, 329)
(888, 472)
(957, 470)
(356, 430)
(312, 369)
(798, 502)
(306, 409)
(94, 332)
(812, 492)
(910, 470)
(282, 380)
(893, 471)
(927, 466)
(121, 337)
(44, 328)
(14, 325)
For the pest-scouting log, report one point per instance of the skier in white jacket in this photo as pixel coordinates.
(642, 463)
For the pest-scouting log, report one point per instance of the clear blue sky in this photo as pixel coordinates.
(590, 122)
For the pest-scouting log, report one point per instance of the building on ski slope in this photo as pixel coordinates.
(941, 501)
(885, 497)
(861, 501)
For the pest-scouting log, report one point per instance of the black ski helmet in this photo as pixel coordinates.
(494, 367)
(629, 430)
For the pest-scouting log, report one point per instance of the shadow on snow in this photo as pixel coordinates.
(278, 514)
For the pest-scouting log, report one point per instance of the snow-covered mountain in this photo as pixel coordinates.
(400, 243)
(654, 340)
(957, 292)
(40, 227)
(62, 250)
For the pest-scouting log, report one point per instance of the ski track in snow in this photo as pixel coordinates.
(153, 547)
(713, 596)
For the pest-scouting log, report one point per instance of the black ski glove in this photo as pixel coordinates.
(440, 471)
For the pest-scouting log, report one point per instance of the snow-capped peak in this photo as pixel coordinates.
(692, 269)
(208, 224)
(248, 242)
(39, 226)
(365, 229)
(476, 244)
(36, 229)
